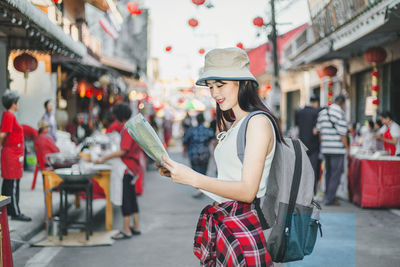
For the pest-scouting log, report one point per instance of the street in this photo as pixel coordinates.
(351, 236)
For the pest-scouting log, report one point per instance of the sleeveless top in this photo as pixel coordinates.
(229, 165)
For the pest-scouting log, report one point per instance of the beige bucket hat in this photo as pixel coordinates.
(42, 124)
(226, 64)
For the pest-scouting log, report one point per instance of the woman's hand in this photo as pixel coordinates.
(180, 173)
(100, 161)
(162, 170)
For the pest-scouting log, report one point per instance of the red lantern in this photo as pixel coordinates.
(168, 48)
(240, 45)
(375, 54)
(201, 51)
(376, 102)
(198, 2)
(193, 22)
(133, 8)
(375, 88)
(258, 21)
(89, 93)
(330, 71)
(25, 63)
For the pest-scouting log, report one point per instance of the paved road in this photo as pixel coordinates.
(352, 236)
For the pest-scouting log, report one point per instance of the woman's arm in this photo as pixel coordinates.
(3, 137)
(259, 142)
(116, 154)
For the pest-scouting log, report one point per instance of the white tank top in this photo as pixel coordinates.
(229, 165)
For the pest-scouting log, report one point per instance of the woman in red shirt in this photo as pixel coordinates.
(12, 154)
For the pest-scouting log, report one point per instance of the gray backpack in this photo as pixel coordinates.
(288, 206)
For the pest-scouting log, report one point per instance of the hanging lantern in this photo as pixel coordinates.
(258, 21)
(25, 63)
(375, 55)
(193, 23)
(202, 51)
(134, 8)
(198, 2)
(330, 71)
(240, 45)
(168, 48)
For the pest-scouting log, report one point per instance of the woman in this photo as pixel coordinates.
(130, 154)
(12, 154)
(44, 144)
(389, 134)
(229, 233)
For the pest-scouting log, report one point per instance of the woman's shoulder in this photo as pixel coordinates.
(260, 124)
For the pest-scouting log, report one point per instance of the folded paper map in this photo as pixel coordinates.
(142, 132)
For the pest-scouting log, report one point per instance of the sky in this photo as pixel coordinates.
(226, 24)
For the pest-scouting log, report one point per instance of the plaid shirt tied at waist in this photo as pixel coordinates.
(230, 234)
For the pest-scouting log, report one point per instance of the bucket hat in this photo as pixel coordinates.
(42, 124)
(226, 64)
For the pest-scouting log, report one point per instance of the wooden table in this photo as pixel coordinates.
(52, 180)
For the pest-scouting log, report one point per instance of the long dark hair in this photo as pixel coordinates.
(248, 100)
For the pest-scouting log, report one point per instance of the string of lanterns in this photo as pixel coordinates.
(375, 56)
(330, 71)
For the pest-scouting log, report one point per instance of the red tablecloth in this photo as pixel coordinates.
(374, 183)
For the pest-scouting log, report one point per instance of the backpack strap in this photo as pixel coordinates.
(241, 144)
(294, 190)
(241, 137)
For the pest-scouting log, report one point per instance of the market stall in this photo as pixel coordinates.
(374, 181)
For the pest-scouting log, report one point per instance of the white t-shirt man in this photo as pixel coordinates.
(394, 132)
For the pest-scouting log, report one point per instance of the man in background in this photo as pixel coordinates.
(50, 118)
(332, 126)
(306, 121)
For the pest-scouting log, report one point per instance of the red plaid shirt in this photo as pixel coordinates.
(230, 234)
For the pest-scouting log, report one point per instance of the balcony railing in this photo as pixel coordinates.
(78, 31)
(337, 13)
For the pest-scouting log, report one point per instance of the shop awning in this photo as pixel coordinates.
(118, 64)
(35, 16)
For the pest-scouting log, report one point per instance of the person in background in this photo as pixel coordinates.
(332, 126)
(196, 143)
(167, 130)
(115, 126)
(12, 154)
(44, 144)
(389, 134)
(306, 121)
(379, 144)
(367, 136)
(186, 123)
(130, 154)
(82, 129)
(50, 118)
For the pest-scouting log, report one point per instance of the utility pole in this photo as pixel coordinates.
(276, 92)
